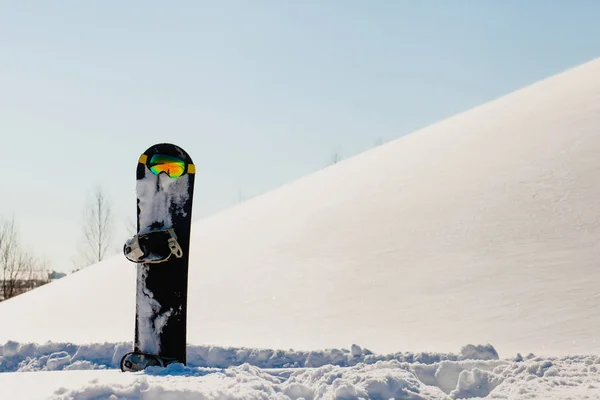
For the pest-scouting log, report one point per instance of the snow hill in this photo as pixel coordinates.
(483, 228)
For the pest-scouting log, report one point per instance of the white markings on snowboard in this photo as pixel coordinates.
(156, 194)
(154, 201)
(151, 323)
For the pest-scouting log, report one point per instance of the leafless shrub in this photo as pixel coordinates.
(19, 269)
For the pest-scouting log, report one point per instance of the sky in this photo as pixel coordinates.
(259, 93)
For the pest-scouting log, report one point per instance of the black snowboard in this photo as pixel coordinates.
(163, 202)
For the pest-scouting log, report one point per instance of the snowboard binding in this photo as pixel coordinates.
(136, 361)
(152, 247)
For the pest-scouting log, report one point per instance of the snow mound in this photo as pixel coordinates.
(380, 381)
(20, 357)
(233, 376)
(482, 228)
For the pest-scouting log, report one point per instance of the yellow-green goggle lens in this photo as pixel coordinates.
(172, 166)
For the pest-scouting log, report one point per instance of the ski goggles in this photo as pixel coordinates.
(153, 247)
(174, 167)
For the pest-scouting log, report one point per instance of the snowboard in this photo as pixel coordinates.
(164, 188)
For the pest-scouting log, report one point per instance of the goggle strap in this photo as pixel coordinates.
(191, 168)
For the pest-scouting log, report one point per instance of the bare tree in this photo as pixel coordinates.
(97, 228)
(8, 257)
(20, 271)
(38, 273)
(335, 157)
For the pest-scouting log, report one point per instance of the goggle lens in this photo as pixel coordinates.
(172, 166)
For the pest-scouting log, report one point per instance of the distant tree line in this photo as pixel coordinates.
(20, 270)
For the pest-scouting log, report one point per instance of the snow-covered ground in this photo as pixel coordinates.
(91, 372)
(482, 229)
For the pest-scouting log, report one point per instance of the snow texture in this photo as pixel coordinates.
(147, 309)
(154, 203)
(244, 373)
(16, 356)
(158, 195)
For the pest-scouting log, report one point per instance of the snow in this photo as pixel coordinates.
(17, 356)
(89, 371)
(149, 334)
(153, 204)
(477, 235)
(159, 196)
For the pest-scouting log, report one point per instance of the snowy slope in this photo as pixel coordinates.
(482, 228)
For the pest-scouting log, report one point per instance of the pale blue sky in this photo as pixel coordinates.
(258, 92)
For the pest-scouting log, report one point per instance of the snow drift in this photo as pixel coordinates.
(88, 371)
(482, 228)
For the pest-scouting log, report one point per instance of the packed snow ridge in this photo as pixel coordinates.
(20, 357)
(244, 373)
